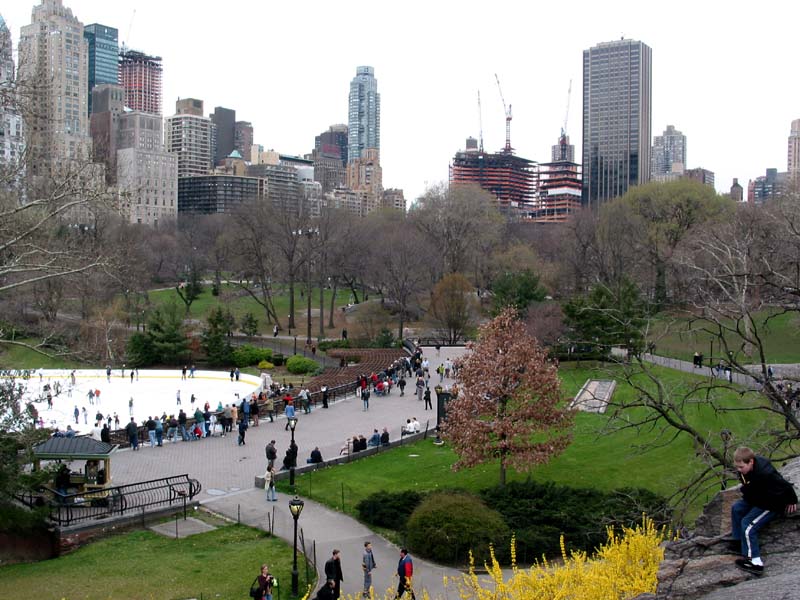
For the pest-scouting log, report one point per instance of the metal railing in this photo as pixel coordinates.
(122, 500)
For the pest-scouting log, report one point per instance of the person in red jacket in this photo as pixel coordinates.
(405, 571)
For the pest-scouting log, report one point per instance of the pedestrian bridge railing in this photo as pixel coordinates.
(105, 503)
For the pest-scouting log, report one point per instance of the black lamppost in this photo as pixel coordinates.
(295, 345)
(296, 507)
(710, 352)
(292, 425)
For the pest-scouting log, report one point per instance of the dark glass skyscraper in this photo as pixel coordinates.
(617, 116)
(103, 56)
(364, 114)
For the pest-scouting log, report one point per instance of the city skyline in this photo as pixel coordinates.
(432, 60)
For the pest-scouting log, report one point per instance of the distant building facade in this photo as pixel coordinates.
(108, 104)
(668, 148)
(12, 137)
(53, 59)
(103, 48)
(737, 192)
(767, 187)
(225, 121)
(700, 175)
(617, 116)
(147, 175)
(243, 138)
(365, 173)
(793, 166)
(330, 157)
(364, 114)
(218, 193)
(191, 137)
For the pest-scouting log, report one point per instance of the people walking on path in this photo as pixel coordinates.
(272, 454)
(368, 564)
(333, 570)
(133, 434)
(405, 573)
(289, 414)
(269, 485)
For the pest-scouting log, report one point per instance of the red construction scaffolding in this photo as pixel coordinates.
(140, 77)
(511, 179)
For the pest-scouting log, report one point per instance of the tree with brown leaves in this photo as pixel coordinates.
(509, 404)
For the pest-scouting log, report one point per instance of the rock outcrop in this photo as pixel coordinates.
(701, 567)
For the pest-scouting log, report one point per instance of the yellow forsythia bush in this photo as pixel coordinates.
(624, 567)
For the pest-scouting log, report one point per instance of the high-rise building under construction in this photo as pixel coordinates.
(140, 77)
(509, 178)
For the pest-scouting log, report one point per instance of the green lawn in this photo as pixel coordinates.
(142, 564)
(593, 459)
(240, 305)
(19, 357)
(677, 337)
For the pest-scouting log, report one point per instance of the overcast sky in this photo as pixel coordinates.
(724, 73)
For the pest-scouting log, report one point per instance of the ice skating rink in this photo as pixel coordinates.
(154, 392)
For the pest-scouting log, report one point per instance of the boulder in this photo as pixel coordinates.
(701, 566)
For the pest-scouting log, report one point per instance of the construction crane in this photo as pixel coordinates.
(508, 116)
(480, 122)
(566, 115)
(127, 43)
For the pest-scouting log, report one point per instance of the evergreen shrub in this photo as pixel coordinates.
(539, 513)
(326, 345)
(389, 509)
(446, 526)
(247, 355)
(300, 365)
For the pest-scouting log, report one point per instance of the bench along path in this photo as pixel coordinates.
(227, 472)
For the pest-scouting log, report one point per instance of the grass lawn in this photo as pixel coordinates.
(19, 357)
(592, 460)
(219, 564)
(240, 305)
(677, 337)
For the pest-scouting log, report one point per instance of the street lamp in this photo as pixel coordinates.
(711, 352)
(292, 425)
(296, 507)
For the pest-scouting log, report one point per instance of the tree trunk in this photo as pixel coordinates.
(291, 302)
(331, 324)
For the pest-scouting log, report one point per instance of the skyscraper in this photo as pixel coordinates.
(54, 65)
(617, 115)
(11, 141)
(103, 56)
(140, 77)
(668, 148)
(794, 152)
(364, 114)
(192, 137)
(243, 138)
(330, 157)
(225, 120)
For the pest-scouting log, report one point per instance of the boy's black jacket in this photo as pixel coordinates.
(764, 487)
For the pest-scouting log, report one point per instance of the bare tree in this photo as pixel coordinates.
(460, 222)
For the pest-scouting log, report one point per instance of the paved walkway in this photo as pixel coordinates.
(788, 371)
(227, 472)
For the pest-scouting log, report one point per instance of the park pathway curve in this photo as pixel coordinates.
(227, 472)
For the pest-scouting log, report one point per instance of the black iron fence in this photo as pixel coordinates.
(122, 500)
